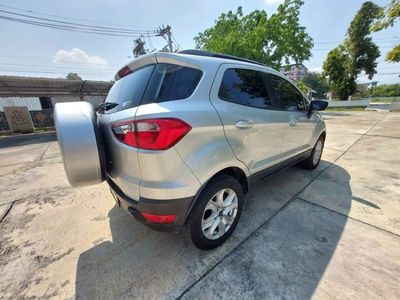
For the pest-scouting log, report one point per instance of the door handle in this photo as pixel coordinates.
(244, 124)
(292, 122)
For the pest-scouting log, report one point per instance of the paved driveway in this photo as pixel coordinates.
(329, 233)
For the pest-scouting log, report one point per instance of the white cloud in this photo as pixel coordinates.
(78, 56)
(273, 2)
(316, 69)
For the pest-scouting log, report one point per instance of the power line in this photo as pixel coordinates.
(176, 42)
(56, 67)
(81, 25)
(373, 40)
(150, 43)
(63, 17)
(49, 72)
(67, 28)
(328, 49)
(166, 31)
(34, 59)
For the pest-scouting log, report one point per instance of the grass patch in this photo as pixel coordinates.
(37, 130)
(354, 108)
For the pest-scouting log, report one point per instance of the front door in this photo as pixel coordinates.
(299, 128)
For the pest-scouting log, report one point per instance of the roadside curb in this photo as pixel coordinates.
(28, 135)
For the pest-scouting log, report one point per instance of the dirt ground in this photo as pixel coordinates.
(329, 233)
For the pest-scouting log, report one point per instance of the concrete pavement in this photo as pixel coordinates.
(330, 233)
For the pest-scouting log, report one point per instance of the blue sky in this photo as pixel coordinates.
(28, 50)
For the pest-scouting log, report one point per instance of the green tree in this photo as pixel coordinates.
(337, 69)
(388, 18)
(139, 47)
(273, 41)
(73, 76)
(394, 54)
(357, 53)
(317, 82)
(362, 50)
(384, 90)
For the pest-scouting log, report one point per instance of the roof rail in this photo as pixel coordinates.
(220, 55)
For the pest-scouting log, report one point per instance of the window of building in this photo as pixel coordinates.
(45, 102)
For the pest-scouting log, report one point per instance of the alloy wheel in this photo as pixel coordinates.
(219, 214)
(317, 152)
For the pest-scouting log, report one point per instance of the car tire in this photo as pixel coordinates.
(315, 157)
(211, 222)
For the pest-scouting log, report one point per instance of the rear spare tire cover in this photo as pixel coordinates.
(80, 142)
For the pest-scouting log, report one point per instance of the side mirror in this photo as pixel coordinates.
(317, 105)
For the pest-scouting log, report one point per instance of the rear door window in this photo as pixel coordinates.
(246, 87)
(128, 91)
(289, 97)
(171, 82)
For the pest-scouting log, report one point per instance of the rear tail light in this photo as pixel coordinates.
(165, 219)
(151, 134)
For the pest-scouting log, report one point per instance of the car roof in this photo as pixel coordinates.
(221, 55)
(193, 58)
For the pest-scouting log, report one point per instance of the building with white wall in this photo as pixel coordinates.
(294, 71)
(40, 95)
(44, 93)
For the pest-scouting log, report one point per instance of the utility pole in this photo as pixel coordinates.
(166, 31)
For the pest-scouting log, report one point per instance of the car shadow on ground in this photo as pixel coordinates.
(141, 263)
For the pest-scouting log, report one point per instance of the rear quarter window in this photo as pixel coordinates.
(171, 82)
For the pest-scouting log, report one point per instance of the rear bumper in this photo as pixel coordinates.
(179, 207)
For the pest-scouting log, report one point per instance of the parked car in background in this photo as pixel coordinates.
(182, 137)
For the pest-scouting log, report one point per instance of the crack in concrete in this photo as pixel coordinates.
(45, 150)
(5, 213)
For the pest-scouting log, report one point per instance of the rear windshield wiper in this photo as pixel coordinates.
(101, 108)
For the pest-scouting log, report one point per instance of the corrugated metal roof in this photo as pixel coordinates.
(14, 86)
(32, 103)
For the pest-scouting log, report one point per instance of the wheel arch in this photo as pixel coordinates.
(234, 172)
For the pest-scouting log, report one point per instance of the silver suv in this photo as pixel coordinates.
(181, 138)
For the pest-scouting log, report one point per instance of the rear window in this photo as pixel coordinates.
(128, 91)
(171, 82)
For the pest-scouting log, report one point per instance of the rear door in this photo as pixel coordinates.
(298, 128)
(252, 122)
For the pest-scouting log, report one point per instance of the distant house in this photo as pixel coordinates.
(40, 95)
(294, 71)
(43, 93)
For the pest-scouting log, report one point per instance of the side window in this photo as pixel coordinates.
(289, 97)
(246, 87)
(171, 82)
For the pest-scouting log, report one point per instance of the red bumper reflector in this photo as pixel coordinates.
(164, 219)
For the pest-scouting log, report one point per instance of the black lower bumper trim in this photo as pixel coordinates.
(178, 207)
